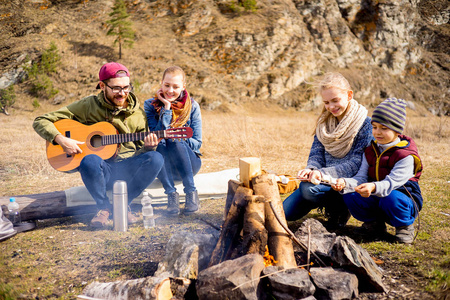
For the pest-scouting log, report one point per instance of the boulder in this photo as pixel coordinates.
(334, 284)
(232, 279)
(290, 284)
(347, 254)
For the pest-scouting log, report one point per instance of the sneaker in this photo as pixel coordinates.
(173, 203)
(373, 228)
(101, 218)
(404, 234)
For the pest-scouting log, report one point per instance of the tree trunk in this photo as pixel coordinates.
(279, 242)
(231, 227)
(46, 206)
(144, 288)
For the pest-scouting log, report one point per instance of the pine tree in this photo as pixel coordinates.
(120, 26)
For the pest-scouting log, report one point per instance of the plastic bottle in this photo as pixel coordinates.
(147, 211)
(14, 212)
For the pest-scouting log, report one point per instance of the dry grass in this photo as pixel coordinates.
(281, 138)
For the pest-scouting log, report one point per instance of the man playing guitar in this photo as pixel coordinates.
(135, 162)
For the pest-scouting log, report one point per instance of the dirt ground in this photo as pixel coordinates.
(63, 255)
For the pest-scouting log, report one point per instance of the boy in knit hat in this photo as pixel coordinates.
(386, 188)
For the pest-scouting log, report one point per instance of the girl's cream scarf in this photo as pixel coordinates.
(337, 138)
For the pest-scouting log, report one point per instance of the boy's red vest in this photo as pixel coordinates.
(381, 164)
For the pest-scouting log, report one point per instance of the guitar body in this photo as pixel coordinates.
(89, 134)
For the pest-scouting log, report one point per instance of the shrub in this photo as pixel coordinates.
(7, 98)
(36, 103)
(248, 5)
(38, 72)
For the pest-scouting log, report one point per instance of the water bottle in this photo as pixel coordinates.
(147, 211)
(14, 212)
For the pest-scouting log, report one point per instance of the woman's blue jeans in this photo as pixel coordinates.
(397, 209)
(180, 163)
(138, 172)
(310, 196)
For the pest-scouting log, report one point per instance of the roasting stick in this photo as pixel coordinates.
(292, 236)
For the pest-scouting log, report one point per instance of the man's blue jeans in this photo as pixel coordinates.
(138, 172)
(310, 196)
(180, 163)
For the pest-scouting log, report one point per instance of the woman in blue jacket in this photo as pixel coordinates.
(173, 107)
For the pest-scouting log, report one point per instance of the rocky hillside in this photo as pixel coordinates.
(385, 48)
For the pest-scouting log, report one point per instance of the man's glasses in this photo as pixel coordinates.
(118, 89)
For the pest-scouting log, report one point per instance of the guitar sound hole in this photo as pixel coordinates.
(96, 141)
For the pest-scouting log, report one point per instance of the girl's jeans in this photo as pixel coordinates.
(310, 196)
(180, 163)
(397, 209)
(138, 172)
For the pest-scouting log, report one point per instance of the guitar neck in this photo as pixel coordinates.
(130, 137)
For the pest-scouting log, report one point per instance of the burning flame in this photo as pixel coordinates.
(268, 259)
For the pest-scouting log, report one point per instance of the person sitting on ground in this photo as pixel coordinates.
(136, 162)
(173, 107)
(386, 188)
(342, 133)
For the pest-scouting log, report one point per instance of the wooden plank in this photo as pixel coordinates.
(249, 167)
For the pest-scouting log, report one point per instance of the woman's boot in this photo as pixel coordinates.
(173, 203)
(192, 203)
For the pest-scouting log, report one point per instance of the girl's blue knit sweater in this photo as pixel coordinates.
(346, 166)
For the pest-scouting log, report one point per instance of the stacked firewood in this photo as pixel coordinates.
(253, 218)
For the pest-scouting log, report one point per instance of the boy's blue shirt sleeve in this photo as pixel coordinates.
(359, 178)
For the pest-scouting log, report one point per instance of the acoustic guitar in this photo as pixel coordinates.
(101, 138)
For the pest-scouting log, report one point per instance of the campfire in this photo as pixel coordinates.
(268, 259)
(254, 257)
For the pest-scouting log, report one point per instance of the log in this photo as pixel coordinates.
(231, 227)
(232, 187)
(254, 231)
(153, 288)
(47, 206)
(279, 242)
(249, 167)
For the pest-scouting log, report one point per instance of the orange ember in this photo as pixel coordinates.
(268, 259)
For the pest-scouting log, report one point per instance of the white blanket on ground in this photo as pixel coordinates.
(209, 185)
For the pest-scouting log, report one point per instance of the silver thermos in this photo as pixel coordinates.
(120, 206)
